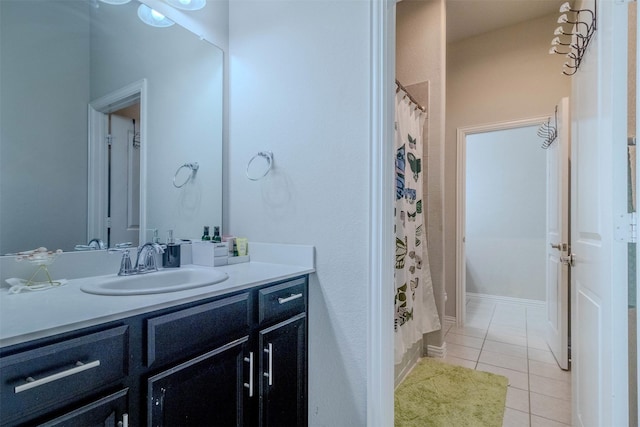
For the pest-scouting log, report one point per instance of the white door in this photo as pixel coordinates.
(124, 182)
(599, 193)
(557, 281)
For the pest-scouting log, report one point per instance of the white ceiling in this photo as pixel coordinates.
(466, 18)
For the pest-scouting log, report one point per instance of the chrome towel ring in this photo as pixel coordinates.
(268, 156)
(194, 168)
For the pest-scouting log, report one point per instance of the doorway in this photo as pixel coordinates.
(501, 214)
(106, 118)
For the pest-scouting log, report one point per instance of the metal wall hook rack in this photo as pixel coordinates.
(573, 44)
(549, 131)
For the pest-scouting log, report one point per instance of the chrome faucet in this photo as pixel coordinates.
(96, 244)
(145, 261)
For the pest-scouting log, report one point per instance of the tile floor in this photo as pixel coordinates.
(507, 339)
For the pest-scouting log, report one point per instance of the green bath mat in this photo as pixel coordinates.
(437, 394)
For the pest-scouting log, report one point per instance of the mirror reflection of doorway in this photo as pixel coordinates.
(123, 189)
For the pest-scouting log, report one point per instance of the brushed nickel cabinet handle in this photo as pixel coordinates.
(33, 383)
(269, 373)
(290, 298)
(250, 384)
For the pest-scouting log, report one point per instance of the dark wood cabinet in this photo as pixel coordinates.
(110, 411)
(284, 369)
(234, 360)
(205, 391)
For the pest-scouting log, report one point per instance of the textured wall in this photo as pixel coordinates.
(299, 87)
(499, 76)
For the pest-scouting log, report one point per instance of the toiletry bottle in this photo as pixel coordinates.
(205, 235)
(171, 255)
(216, 235)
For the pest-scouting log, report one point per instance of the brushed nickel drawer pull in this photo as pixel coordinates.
(250, 384)
(290, 298)
(269, 374)
(33, 383)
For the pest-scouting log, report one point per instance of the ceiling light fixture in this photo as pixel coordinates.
(187, 4)
(116, 2)
(153, 17)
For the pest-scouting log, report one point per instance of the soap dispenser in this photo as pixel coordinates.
(171, 255)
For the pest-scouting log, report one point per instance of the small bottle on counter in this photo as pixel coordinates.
(216, 235)
(171, 255)
(205, 235)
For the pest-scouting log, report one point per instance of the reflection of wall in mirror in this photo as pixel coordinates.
(184, 117)
(43, 108)
(44, 121)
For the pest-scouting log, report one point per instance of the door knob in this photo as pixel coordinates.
(557, 246)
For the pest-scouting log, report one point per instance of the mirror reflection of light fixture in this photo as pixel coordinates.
(116, 2)
(153, 17)
(187, 4)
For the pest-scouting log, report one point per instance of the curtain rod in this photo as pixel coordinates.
(411, 98)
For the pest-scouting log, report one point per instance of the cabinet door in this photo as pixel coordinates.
(205, 391)
(283, 373)
(110, 411)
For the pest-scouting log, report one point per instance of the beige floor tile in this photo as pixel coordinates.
(508, 330)
(514, 418)
(517, 399)
(541, 355)
(507, 338)
(549, 370)
(468, 331)
(537, 421)
(504, 361)
(464, 340)
(550, 407)
(550, 387)
(538, 342)
(504, 348)
(516, 379)
(463, 352)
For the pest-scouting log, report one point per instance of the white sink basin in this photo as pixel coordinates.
(168, 280)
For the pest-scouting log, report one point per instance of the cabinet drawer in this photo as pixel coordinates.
(191, 331)
(58, 373)
(282, 301)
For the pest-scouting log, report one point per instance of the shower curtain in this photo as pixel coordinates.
(415, 308)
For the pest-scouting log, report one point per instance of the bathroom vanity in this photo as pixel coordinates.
(229, 354)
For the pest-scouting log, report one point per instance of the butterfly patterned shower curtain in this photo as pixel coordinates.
(415, 308)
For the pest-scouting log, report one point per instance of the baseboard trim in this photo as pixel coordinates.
(450, 319)
(437, 351)
(511, 300)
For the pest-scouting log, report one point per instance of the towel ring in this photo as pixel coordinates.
(268, 156)
(194, 168)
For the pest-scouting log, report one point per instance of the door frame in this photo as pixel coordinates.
(97, 156)
(461, 195)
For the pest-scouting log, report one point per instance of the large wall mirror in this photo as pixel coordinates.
(57, 57)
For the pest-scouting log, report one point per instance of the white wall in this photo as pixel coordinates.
(506, 213)
(299, 86)
(499, 76)
(43, 147)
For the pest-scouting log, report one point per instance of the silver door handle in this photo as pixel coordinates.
(568, 259)
(557, 246)
(250, 384)
(269, 373)
(33, 383)
(290, 298)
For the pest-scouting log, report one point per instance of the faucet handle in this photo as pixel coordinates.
(125, 263)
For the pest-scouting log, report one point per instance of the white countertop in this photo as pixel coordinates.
(31, 315)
